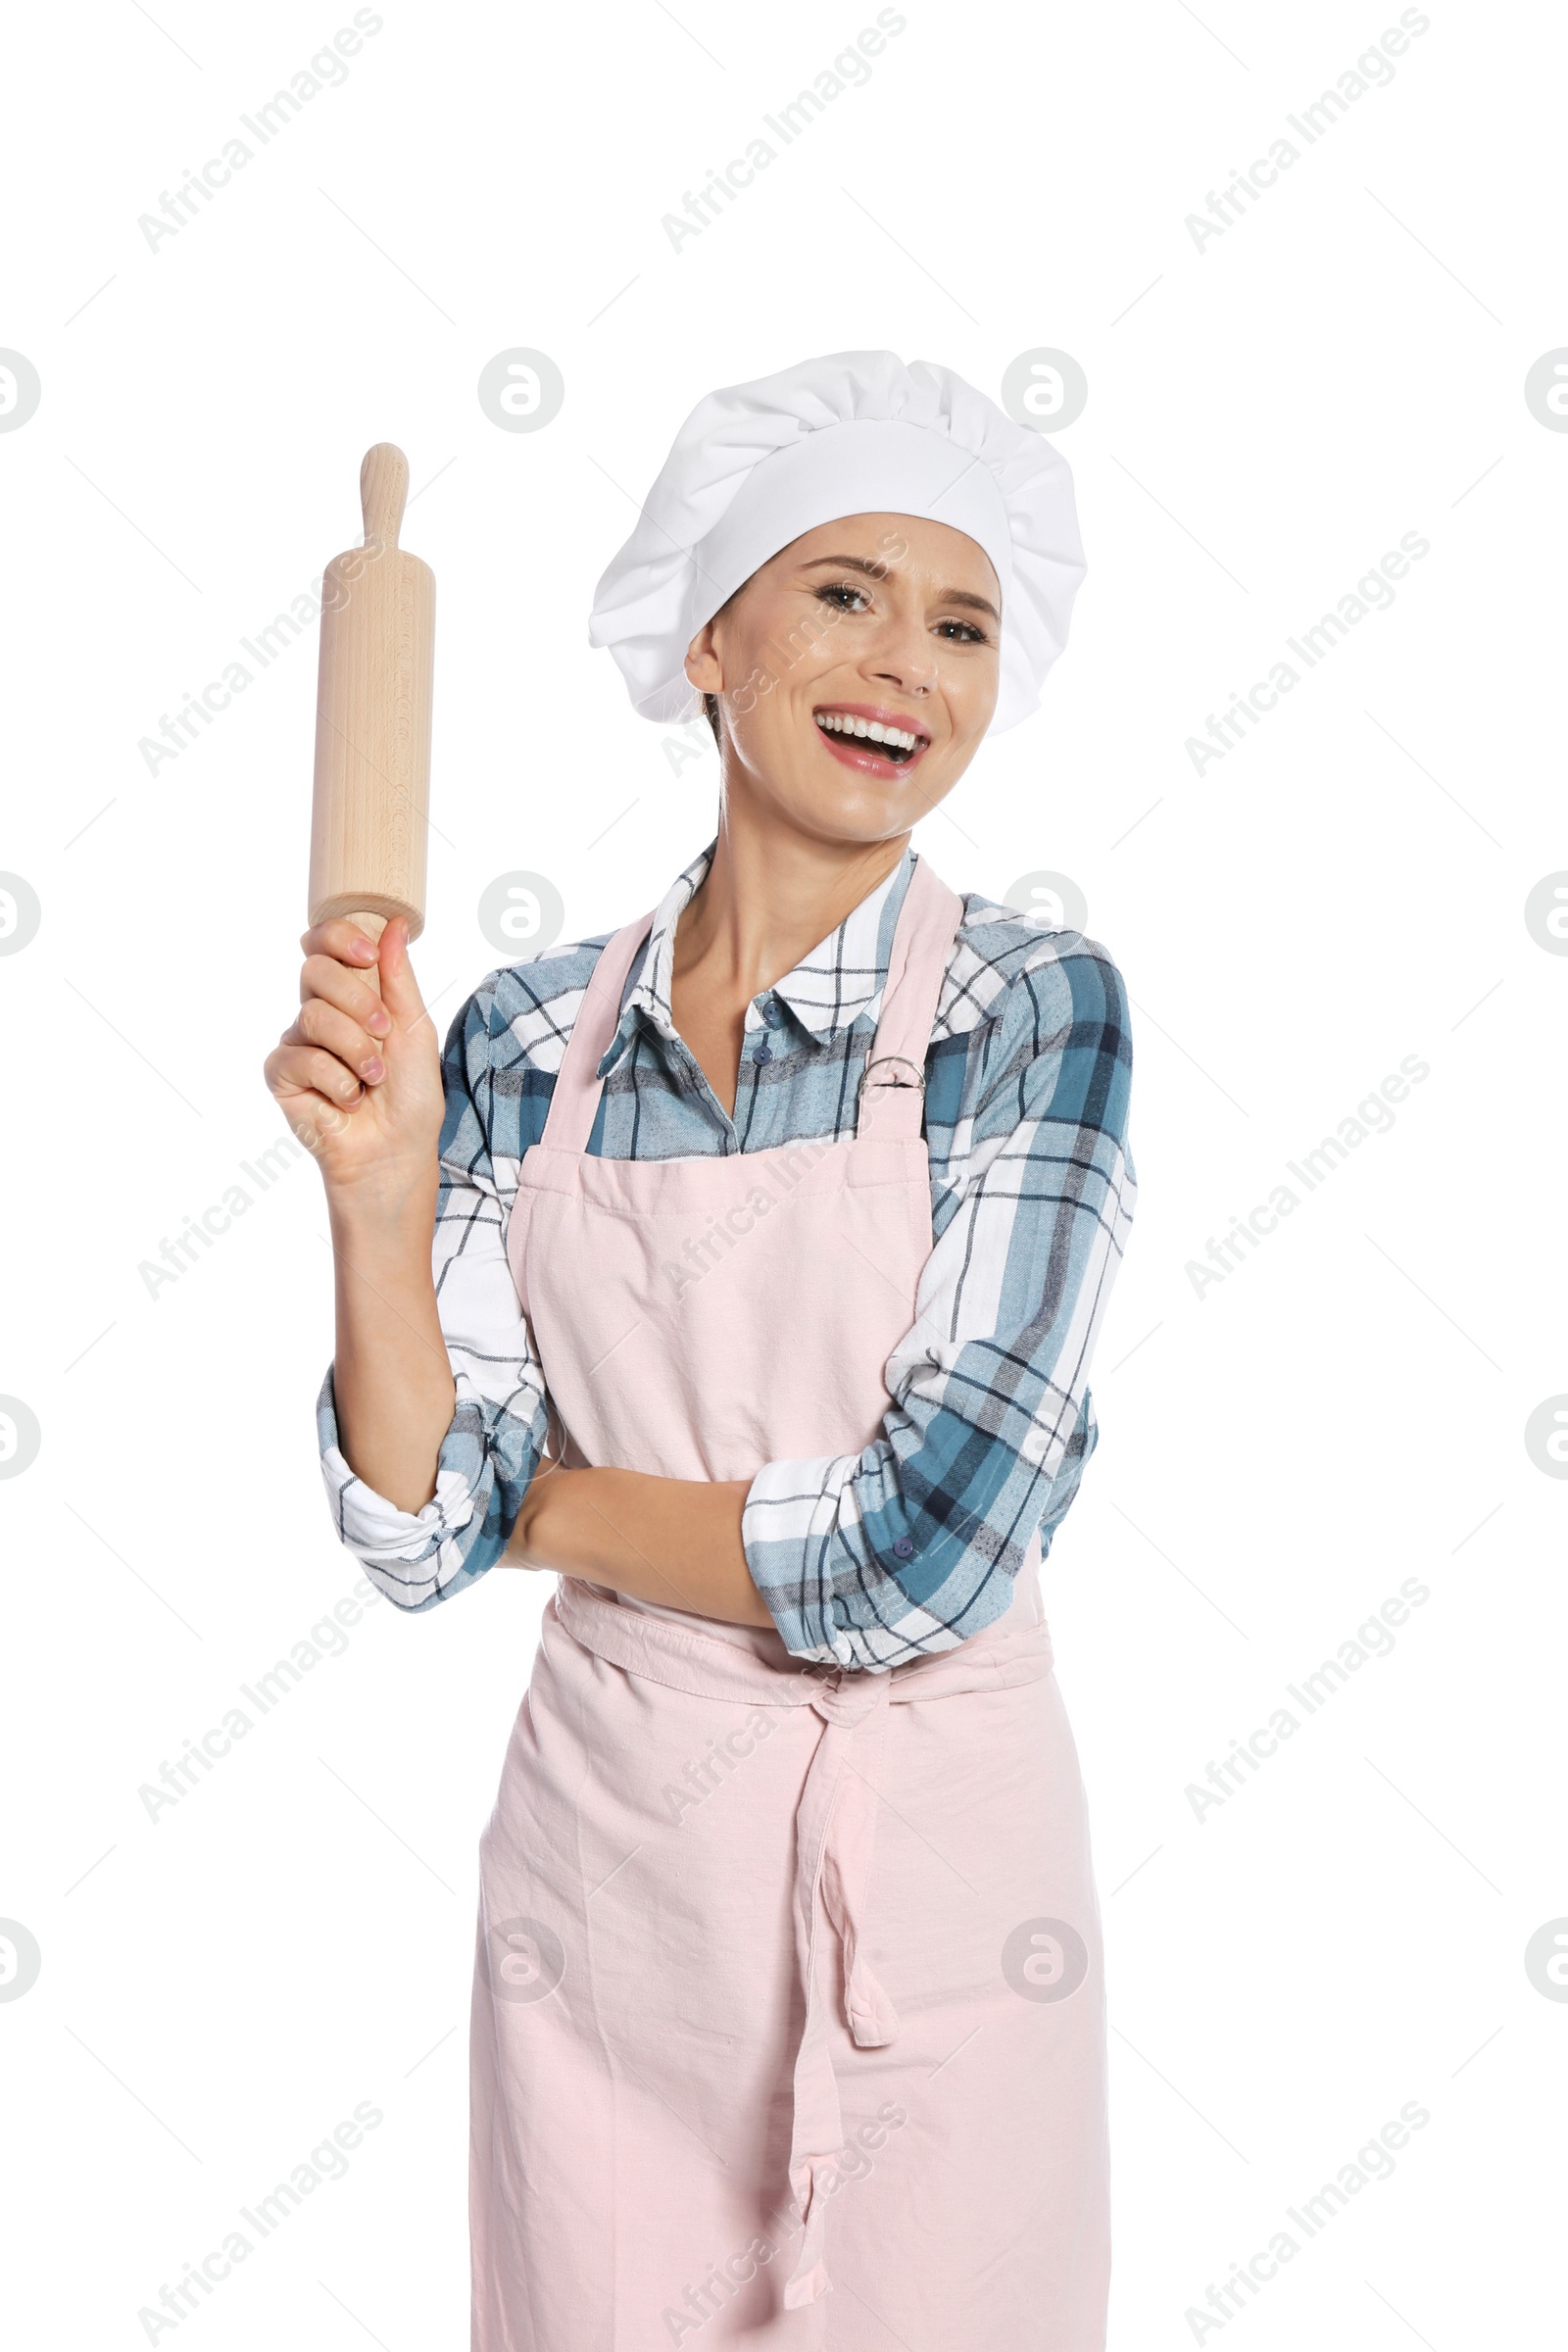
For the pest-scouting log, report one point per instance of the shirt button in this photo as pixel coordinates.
(764, 1053)
(904, 1547)
(772, 1012)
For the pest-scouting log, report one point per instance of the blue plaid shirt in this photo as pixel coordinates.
(1032, 1196)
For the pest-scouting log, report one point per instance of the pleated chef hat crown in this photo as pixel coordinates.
(855, 432)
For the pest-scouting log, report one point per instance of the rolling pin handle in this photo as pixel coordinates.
(383, 493)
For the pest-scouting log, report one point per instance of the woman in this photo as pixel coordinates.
(771, 1235)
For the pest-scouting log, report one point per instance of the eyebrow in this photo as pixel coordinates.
(879, 571)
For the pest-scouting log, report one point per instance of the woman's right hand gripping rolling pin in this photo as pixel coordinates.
(359, 1074)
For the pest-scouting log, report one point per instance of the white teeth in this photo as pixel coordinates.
(839, 722)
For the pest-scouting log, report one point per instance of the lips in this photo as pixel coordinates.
(871, 738)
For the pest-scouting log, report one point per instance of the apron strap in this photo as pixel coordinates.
(893, 1083)
(575, 1103)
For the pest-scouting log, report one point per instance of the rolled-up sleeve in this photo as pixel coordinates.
(498, 1431)
(866, 1560)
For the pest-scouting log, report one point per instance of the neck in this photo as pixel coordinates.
(770, 894)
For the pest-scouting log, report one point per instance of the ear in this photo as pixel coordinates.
(702, 665)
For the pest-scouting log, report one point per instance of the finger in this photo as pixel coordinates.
(400, 991)
(342, 940)
(323, 976)
(309, 1070)
(313, 1119)
(322, 1024)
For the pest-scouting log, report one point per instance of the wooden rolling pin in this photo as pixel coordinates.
(368, 819)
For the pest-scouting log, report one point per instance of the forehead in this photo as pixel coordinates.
(932, 554)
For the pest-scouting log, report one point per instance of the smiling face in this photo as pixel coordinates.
(855, 672)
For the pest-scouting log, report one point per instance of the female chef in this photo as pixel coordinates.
(743, 1266)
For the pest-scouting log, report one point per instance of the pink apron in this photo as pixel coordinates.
(787, 2024)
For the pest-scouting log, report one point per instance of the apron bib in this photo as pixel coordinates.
(775, 1961)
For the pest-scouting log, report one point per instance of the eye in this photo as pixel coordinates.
(967, 632)
(838, 593)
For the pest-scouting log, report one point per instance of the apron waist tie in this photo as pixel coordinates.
(835, 1830)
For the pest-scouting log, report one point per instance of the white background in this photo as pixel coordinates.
(1266, 416)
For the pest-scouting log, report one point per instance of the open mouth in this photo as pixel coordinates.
(875, 741)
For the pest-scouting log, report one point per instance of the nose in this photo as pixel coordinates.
(906, 659)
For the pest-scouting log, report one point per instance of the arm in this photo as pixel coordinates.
(432, 1416)
(686, 1553)
(392, 1383)
(356, 1077)
(870, 1558)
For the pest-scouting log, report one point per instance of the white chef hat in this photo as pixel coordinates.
(855, 432)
